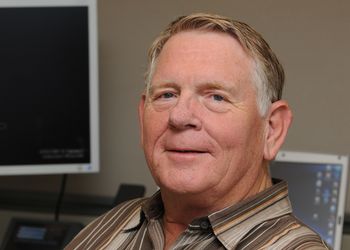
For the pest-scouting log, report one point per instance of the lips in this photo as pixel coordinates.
(187, 151)
(185, 147)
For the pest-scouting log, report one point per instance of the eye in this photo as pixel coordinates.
(167, 95)
(218, 98)
(217, 101)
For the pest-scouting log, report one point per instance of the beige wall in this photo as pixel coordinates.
(311, 38)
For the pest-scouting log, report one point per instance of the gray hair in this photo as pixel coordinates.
(268, 73)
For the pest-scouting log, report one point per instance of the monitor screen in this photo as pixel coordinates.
(317, 190)
(48, 90)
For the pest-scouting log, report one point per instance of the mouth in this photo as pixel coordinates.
(185, 151)
(186, 155)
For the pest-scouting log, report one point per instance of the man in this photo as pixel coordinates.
(211, 119)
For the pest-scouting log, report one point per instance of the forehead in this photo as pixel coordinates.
(200, 54)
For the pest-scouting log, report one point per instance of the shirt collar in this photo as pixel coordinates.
(240, 217)
(232, 223)
(152, 208)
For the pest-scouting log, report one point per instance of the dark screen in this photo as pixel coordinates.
(44, 85)
(314, 192)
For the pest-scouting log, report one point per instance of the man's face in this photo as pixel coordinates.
(200, 125)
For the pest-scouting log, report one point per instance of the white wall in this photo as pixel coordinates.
(311, 38)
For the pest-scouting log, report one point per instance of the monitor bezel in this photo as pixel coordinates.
(94, 165)
(320, 158)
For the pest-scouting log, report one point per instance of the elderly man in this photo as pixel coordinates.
(211, 119)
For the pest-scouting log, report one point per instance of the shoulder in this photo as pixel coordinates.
(285, 232)
(107, 225)
(297, 235)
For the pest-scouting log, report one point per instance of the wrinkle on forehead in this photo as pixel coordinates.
(179, 52)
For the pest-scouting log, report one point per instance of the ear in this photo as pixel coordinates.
(141, 114)
(279, 119)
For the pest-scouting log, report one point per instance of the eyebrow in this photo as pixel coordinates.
(166, 84)
(217, 85)
(213, 85)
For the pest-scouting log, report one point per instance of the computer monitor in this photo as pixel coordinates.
(48, 87)
(317, 188)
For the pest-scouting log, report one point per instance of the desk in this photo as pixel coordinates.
(41, 206)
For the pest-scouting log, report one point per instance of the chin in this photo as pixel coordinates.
(183, 187)
(185, 179)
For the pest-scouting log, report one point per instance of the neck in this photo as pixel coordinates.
(172, 230)
(182, 209)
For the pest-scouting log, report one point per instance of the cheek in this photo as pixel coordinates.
(155, 123)
(236, 133)
(228, 132)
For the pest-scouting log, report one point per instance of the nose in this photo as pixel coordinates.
(185, 114)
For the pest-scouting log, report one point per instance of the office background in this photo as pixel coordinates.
(310, 37)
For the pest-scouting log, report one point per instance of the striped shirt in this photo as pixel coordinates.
(264, 221)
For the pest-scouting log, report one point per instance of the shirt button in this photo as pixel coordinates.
(204, 225)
